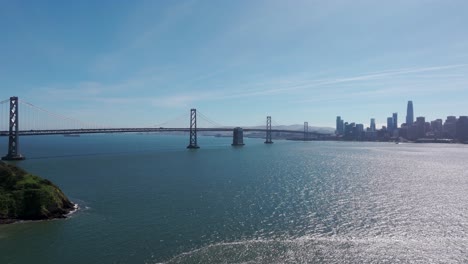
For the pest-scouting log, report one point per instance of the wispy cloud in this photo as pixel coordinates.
(329, 88)
(141, 30)
(295, 85)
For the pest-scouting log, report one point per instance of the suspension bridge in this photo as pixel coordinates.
(38, 121)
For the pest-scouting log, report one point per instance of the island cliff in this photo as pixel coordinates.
(28, 197)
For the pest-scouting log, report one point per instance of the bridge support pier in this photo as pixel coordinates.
(238, 137)
(268, 131)
(306, 131)
(13, 134)
(193, 130)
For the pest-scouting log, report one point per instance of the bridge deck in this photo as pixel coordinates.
(144, 130)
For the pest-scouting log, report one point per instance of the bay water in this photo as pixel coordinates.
(145, 198)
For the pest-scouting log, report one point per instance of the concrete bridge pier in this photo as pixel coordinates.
(306, 131)
(238, 137)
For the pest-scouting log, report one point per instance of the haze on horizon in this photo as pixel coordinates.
(137, 63)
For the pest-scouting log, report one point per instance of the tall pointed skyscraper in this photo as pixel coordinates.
(409, 114)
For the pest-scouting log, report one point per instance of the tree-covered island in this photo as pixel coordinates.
(24, 196)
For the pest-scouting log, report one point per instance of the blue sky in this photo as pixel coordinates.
(139, 63)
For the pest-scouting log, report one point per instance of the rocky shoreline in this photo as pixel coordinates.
(58, 216)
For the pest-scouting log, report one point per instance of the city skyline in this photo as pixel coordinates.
(143, 63)
(453, 129)
(393, 118)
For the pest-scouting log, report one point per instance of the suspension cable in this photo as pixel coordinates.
(209, 120)
(62, 117)
(178, 118)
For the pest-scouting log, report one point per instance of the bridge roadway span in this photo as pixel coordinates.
(144, 130)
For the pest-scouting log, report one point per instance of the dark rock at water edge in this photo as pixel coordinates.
(24, 196)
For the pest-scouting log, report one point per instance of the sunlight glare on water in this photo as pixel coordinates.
(146, 199)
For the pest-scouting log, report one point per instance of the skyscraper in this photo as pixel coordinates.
(390, 124)
(409, 114)
(421, 126)
(372, 124)
(450, 127)
(339, 126)
(395, 121)
(462, 129)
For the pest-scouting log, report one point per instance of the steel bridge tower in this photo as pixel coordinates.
(193, 130)
(268, 131)
(13, 135)
(306, 131)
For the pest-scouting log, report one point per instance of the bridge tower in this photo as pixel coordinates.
(306, 131)
(238, 137)
(13, 135)
(268, 131)
(193, 129)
